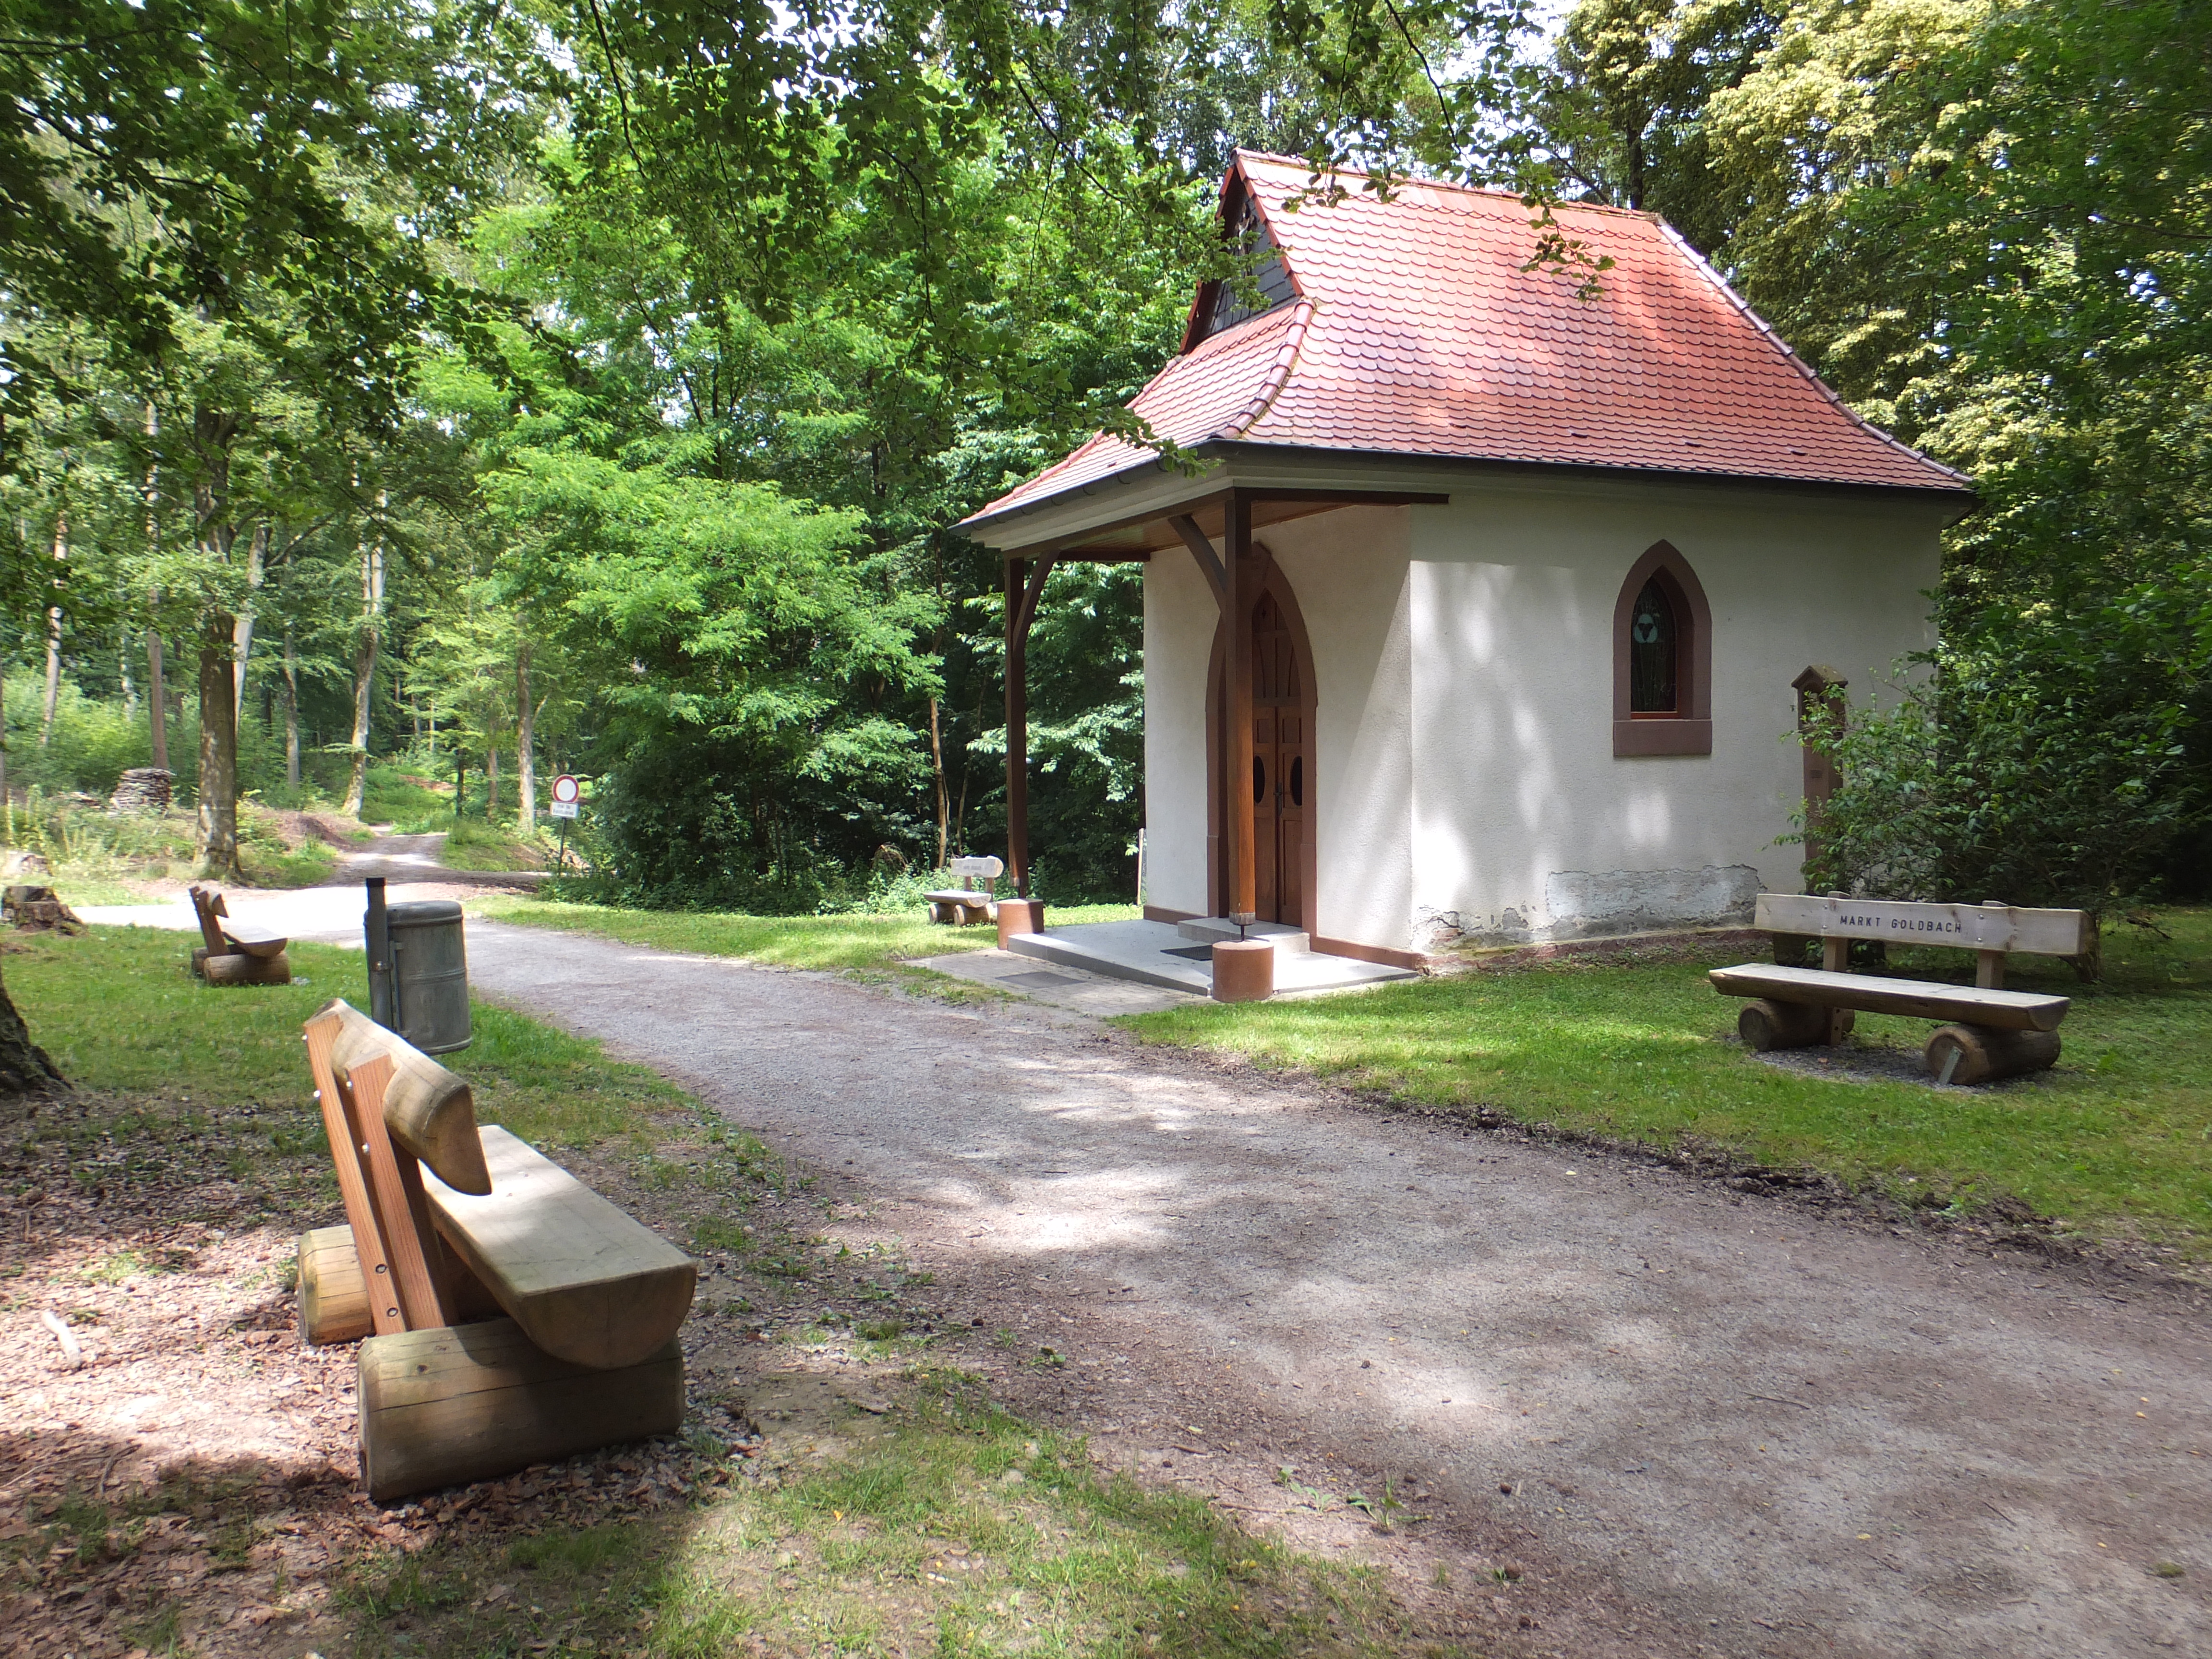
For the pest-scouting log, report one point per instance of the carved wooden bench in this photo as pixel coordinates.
(1989, 1032)
(511, 1314)
(959, 906)
(236, 953)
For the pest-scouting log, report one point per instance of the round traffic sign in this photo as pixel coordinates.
(566, 789)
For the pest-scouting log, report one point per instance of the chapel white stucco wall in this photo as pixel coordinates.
(1525, 823)
(1180, 618)
(1358, 621)
(1463, 731)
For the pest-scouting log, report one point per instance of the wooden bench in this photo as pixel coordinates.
(512, 1316)
(959, 906)
(236, 953)
(1989, 1032)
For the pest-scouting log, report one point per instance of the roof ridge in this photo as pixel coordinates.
(1499, 191)
(1278, 375)
(1767, 330)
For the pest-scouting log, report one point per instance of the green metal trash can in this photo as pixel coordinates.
(418, 971)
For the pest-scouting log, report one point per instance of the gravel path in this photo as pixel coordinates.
(1731, 1427)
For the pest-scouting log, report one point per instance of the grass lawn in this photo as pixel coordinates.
(120, 1014)
(848, 942)
(945, 1525)
(2115, 1142)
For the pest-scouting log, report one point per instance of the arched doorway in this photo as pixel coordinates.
(1279, 794)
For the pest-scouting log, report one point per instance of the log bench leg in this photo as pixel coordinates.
(470, 1402)
(1766, 1024)
(1968, 1055)
(334, 1301)
(241, 969)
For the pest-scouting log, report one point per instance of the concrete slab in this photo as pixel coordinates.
(1074, 989)
(1157, 953)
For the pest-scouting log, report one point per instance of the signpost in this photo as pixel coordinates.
(566, 792)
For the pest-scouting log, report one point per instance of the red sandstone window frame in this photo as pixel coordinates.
(1689, 729)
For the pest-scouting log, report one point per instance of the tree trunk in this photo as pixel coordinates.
(256, 564)
(218, 790)
(491, 779)
(123, 672)
(24, 1067)
(526, 738)
(367, 640)
(157, 694)
(213, 433)
(291, 709)
(943, 794)
(54, 635)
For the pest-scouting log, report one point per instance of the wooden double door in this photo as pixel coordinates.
(1279, 794)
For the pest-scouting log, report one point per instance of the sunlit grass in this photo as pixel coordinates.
(946, 1527)
(119, 1013)
(2118, 1139)
(818, 942)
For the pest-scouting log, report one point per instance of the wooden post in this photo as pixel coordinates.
(352, 1182)
(1836, 958)
(1989, 965)
(1021, 600)
(1240, 888)
(1819, 692)
(1018, 730)
(363, 1088)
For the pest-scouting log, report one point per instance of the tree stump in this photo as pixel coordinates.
(1766, 1024)
(34, 909)
(1968, 1055)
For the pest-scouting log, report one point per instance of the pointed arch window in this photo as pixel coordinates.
(1662, 659)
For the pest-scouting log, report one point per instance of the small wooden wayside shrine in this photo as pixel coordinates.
(510, 1315)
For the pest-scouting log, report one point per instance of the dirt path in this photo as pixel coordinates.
(416, 859)
(1719, 1424)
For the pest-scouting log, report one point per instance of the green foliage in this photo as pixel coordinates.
(2051, 763)
(738, 640)
(1989, 225)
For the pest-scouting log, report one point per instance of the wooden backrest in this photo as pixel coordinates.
(428, 1110)
(969, 866)
(388, 1109)
(207, 905)
(1986, 927)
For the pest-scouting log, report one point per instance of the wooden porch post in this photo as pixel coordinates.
(1017, 730)
(1239, 576)
(1022, 598)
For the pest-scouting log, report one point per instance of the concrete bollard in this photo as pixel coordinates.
(1243, 970)
(1019, 916)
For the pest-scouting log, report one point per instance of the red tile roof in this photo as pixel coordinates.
(1417, 333)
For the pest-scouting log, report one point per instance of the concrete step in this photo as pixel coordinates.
(1213, 930)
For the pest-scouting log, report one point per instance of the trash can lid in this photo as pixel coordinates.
(424, 913)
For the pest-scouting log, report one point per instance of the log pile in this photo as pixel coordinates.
(143, 789)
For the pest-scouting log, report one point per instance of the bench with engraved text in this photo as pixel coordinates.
(513, 1315)
(1988, 1032)
(966, 904)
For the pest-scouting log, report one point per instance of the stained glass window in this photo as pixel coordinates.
(1652, 636)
